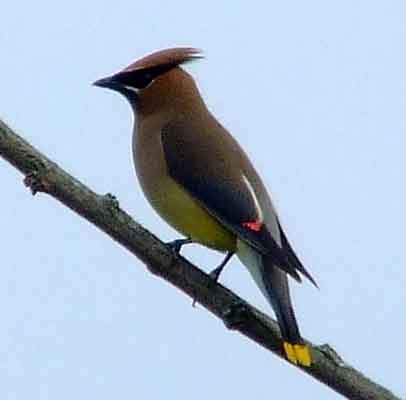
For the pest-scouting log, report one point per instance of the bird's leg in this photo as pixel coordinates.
(215, 274)
(177, 244)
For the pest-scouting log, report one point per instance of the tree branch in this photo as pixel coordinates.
(43, 175)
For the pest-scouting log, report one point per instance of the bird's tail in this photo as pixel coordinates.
(273, 283)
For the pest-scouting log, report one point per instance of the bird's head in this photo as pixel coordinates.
(152, 76)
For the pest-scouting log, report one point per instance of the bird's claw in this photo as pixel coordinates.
(215, 274)
(176, 245)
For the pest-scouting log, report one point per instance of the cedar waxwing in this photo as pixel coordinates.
(198, 179)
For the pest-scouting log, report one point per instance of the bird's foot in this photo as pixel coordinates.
(215, 274)
(177, 244)
(236, 316)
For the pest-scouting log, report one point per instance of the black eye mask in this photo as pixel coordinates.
(141, 78)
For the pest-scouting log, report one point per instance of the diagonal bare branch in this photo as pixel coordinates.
(43, 175)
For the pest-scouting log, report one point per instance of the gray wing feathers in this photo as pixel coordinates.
(229, 188)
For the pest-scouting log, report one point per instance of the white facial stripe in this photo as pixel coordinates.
(254, 197)
(132, 89)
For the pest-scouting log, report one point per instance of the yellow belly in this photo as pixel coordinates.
(183, 213)
(167, 197)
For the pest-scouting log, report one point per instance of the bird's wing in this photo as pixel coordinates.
(224, 186)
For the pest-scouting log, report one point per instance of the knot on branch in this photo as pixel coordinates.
(236, 316)
(36, 181)
(111, 203)
(332, 355)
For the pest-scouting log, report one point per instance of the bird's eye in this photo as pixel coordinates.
(137, 79)
(144, 79)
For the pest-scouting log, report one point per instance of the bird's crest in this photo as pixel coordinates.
(143, 71)
(165, 58)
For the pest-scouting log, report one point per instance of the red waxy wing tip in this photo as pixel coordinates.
(252, 225)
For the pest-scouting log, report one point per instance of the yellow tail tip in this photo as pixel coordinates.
(298, 354)
(290, 352)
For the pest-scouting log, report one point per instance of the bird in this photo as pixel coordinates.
(200, 181)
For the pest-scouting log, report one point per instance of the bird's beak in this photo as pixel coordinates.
(113, 83)
(109, 83)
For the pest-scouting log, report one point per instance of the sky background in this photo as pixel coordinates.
(314, 91)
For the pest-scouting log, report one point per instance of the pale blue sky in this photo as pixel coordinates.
(315, 92)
